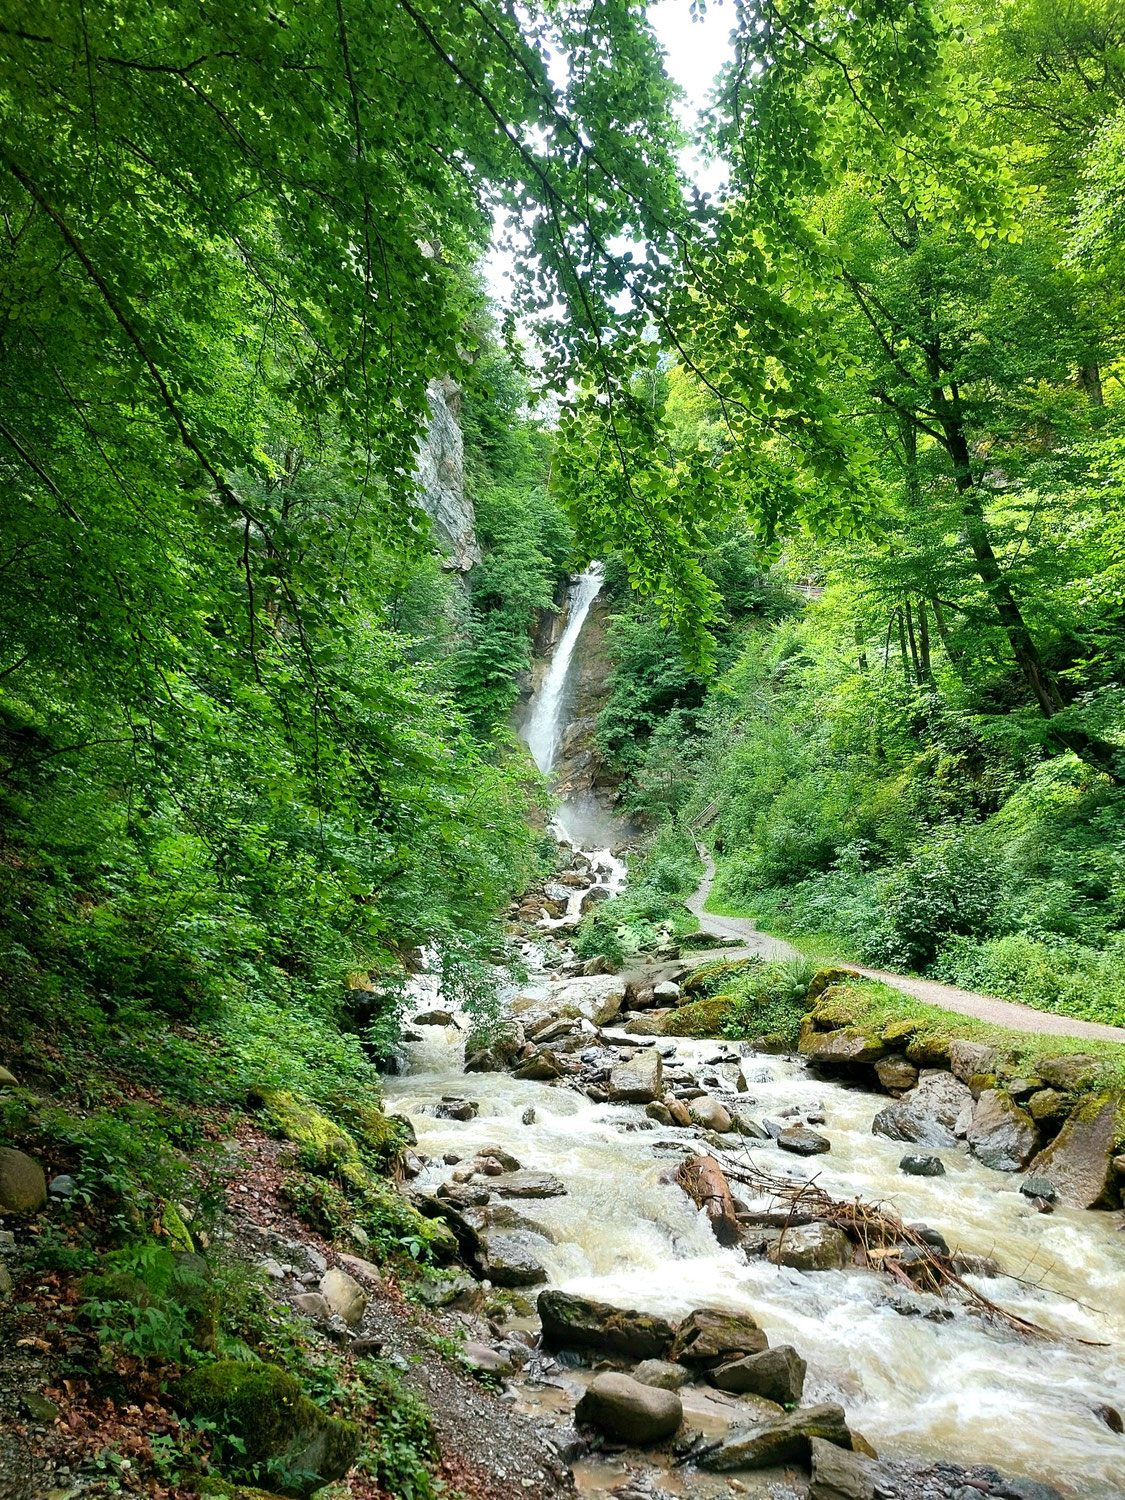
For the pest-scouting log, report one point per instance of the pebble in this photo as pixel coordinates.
(62, 1186)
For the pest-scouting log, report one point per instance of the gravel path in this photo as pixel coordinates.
(983, 1007)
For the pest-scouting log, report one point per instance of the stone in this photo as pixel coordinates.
(542, 1068)
(39, 1408)
(491, 1361)
(5, 1282)
(23, 1187)
(528, 1116)
(344, 1295)
(1046, 1106)
(1039, 1187)
(528, 1185)
(455, 1290)
(896, 1074)
(667, 992)
(775, 1374)
(1079, 1161)
(929, 1049)
(457, 1109)
(709, 1336)
(506, 1261)
(1024, 1489)
(434, 1018)
(803, 1142)
(922, 1166)
(664, 1373)
(274, 1423)
(62, 1187)
(743, 1125)
(572, 1322)
(314, 1305)
(703, 1180)
(787, 1439)
(1110, 1416)
(7, 1080)
(1002, 1135)
(838, 1474)
(709, 1114)
(638, 1081)
(626, 1409)
(928, 1114)
(658, 1112)
(812, 1247)
(679, 1111)
(1076, 1070)
(967, 1058)
(608, 1008)
(850, 1045)
(440, 478)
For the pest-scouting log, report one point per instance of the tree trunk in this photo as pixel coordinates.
(1090, 381)
(913, 642)
(902, 648)
(861, 648)
(924, 641)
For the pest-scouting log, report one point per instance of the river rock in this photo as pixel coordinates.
(23, 1186)
(803, 1142)
(435, 1018)
(775, 1374)
(1039, 1187)
(709, 1113)
(667, 992)
(851, 1045)
(527, 1185)
(542, 1068)
(897, 1074)
(838, 1474)
(922, 1166)
(1001, 1134)
(457, 1109)
(814, 1247)
(1048, 1106)
(709, 1336)
(314, 1305)
(928, 1114)
(491, 1361)
(344, 1295)
(607, 1008)
(787, 1439)
(638, 1081)
(1079, 1161)
(506, 1261)
(571, 1322)
(968, 1058)
(679, 1111)
(7, 1080)
(626, 1409)
(664, 1373)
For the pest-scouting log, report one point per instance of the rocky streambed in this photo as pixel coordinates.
(569, 1170)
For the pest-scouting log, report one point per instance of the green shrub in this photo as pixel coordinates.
(1063, 977)
(770, 1001)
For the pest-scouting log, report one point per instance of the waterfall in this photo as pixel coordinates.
(543, 729)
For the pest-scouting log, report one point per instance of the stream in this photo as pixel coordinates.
(919, 1387)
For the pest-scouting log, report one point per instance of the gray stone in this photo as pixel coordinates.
(441, 478)
(491, 1361)
(812, 1247)
(709, 1113)
(38, 1408)
(638, 1081)
(607, 1008)
(63, 1186)
(528, 1185)
(928, 1114)
(434, 1018)
(896, 1074)
(1002, 1135)
(1071, 1071)
(775, 1374)
(457, 1109)
(839, 1474)
(787, 1439)
(665, 1373)
(506, 1261)
(628, 1410)
(803, 1142)
(667, 992)
(344, 1295)
(966, 1059)
(709, 1335)
(572, 1322)
(1079, 1161)
(314, 1305)
(23, 1187)
(922, 1166)
(5, 1282)
(543, 1067)
(7, 1080)
(1039, 1187)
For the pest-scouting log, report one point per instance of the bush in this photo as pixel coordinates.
(949, 888)
(770, 1001)
(1065, 977)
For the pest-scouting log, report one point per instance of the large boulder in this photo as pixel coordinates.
(1079, 1161)
(848, 1047)
(1072, 1070)
(506, 1260)
(786, 1439)
(897, 1074)
(571, 1322)
(802, 1141)
(23, 1187)
(626, 1409)
(638, 1081)
(344, 1295)
(967, 1059)
(709, 1113)
(1002, 1135)
(838, 1474)
(928, 1114)
(274, 1423)
(664, 1373)
(709, 1336)
(775, 1374)
(543, 1067)
(527, 1185)
(812, 1247)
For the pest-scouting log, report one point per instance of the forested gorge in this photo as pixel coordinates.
(335, 341)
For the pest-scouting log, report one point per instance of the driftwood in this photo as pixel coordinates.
(702, 1180)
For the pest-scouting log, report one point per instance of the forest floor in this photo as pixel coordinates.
(987, 1008)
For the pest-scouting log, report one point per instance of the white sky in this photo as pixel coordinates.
(694, 53)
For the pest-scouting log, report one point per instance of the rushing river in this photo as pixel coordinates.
(961, 1390)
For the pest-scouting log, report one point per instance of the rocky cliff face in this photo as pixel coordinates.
(441, 478)
(580, 773)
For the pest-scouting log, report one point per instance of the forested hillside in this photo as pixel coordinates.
(846, 434)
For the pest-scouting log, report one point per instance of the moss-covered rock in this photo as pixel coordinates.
(1079, 1161)
(835, 1009)
(23, 1187)
(174, 1278)
(900, 1030)
(272, 1421)
(929, 1049)
(849, 1045)
(699, 1019)
(825, 979)
(223, 1489)
(709, 979)
(323, 1146)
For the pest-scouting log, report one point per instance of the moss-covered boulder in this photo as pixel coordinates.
(826, 979)
(709, 979)
(173, 1279)
(23, 1187)
(1079, 1161)
(929, 1049)
(900, 1030)
(216, 1488)
(272, 1422)
(847, 1046)
(699, 1019)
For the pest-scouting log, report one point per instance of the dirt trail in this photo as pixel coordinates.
(929, 991)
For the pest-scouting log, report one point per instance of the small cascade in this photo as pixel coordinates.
(543, 730)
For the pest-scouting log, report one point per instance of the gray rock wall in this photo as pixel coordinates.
(441, 478)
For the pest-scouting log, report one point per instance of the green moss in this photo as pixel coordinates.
(929, 1049)
(701, 1018)
(711, 978)
(223, 1489)
(324, 1145)
(900, 1030)
(825, 979)
(269, 1425)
